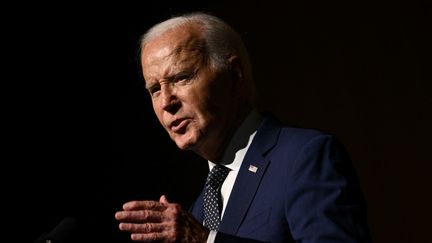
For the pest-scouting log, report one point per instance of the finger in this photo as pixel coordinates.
(140, 216)
(148, 237)
(163, 199)
(151, 205)
(141, 228)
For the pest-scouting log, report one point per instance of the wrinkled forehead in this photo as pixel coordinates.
(175, 51)
(179, 43)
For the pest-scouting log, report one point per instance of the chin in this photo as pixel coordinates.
(185, 142)
(183, 146)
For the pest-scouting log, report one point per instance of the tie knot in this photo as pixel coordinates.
(216, 176)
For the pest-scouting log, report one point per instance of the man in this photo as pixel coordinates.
(279, 184)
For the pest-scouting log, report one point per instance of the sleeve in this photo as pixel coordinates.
(324, 202)
(225, 238)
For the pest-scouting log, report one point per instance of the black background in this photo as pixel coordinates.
(80, 137)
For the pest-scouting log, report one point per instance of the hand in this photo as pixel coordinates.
(160, 221)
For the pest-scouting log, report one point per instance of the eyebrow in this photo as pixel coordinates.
(187, 71)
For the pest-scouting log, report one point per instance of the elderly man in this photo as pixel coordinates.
(268, 182)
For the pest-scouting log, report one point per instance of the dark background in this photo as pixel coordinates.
(81, 138)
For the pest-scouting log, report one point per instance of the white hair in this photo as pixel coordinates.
(221, 40)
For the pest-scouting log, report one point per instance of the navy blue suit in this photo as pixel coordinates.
(304, 190)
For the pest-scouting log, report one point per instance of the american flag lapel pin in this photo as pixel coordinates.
(253, 168)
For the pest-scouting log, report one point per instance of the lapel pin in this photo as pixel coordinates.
(253, 168)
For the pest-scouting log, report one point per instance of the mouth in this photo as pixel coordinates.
(179, 125)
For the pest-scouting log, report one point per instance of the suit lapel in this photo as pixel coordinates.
(248, 180)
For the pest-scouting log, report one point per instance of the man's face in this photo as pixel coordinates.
(192, 101)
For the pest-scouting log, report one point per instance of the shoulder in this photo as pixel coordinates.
(291, 134)
(290, 140)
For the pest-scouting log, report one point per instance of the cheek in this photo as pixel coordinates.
(201, 108)
(158, 113)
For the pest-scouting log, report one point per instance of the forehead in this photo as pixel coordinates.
(179, 44)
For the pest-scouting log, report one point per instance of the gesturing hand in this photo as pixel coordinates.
(160, 221)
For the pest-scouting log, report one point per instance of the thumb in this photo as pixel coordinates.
(163, 199)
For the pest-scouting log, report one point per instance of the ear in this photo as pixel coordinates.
(237, 72)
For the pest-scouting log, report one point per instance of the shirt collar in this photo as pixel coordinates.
(240, 142)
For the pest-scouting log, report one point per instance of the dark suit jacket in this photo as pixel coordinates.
(305, 190)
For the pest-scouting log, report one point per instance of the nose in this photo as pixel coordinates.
(170, 101)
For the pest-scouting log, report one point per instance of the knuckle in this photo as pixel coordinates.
(147, 227)
(175, 214)
(177, 207)
(143, 214)
(176, 210)
(154, 237)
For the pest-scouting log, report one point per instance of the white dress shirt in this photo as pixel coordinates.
(233, 158)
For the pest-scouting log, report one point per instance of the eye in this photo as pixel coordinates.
(184, 77)
(154, 89)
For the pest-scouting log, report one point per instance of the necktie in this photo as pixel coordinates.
(212, 196)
